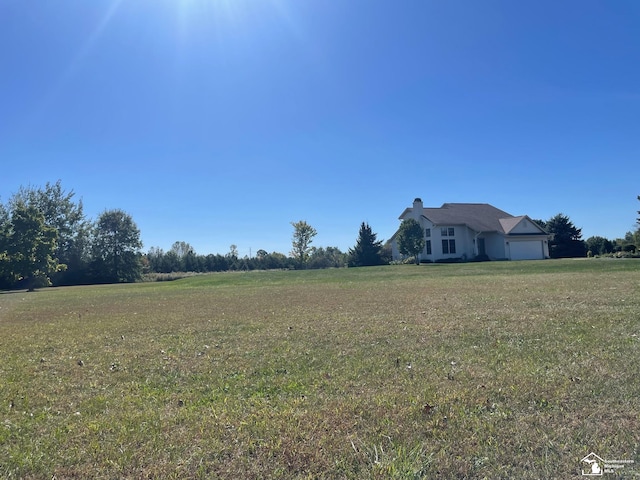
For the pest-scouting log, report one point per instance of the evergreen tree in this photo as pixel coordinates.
(541, 223)
(567, 238)
(368, 250)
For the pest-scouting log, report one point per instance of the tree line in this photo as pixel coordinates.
(182, 257)
(567, 242)
(46, 239)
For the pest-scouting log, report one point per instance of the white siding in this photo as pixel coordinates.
(494, 246)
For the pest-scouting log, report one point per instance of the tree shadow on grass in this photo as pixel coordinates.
(22, 290)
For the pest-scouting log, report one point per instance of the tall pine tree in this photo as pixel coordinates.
(368, 250)
(567, 238)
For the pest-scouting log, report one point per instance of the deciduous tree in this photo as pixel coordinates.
(186, 257)
(116, 247)
(62, 213)
(303, 234)
(411, 238)
(629, 243)
(330, 257)
(6, 277)
(30, 247)
(599, 245)
(182, 249)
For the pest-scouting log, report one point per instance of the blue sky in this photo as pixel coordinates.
(219, 122)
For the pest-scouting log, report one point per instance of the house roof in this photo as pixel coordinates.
(509, 224)
(480, 217)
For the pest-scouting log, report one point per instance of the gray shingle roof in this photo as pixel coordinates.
(481, 217)
(509, 224)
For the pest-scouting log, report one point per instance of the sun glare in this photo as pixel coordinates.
(189, 19)
(80, 55)
(231, 13)
(193, 10)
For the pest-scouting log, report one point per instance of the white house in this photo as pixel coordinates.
(469, 230)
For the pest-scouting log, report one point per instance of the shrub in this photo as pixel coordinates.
(449, 260)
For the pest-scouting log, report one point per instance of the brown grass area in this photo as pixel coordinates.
(458, 371)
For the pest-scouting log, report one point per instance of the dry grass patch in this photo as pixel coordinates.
(511, 370)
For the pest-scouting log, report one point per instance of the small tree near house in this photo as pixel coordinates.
(411, 238)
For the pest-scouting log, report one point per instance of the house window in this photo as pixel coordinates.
(428, 247)
(443, 232)
(451, 232)
(448, 246)
(427, 232)
(447, 232)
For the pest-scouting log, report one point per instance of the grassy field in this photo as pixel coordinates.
(489, 370)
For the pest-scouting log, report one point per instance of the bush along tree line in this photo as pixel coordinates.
(46, 239)
(566, 240)
(183, 258)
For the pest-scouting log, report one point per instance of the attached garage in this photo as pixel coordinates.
(526, 250)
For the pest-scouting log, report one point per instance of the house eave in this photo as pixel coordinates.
(526, 235)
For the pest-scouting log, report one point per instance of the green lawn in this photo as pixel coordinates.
(487, 370)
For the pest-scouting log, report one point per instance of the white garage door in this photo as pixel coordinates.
(526, 250)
